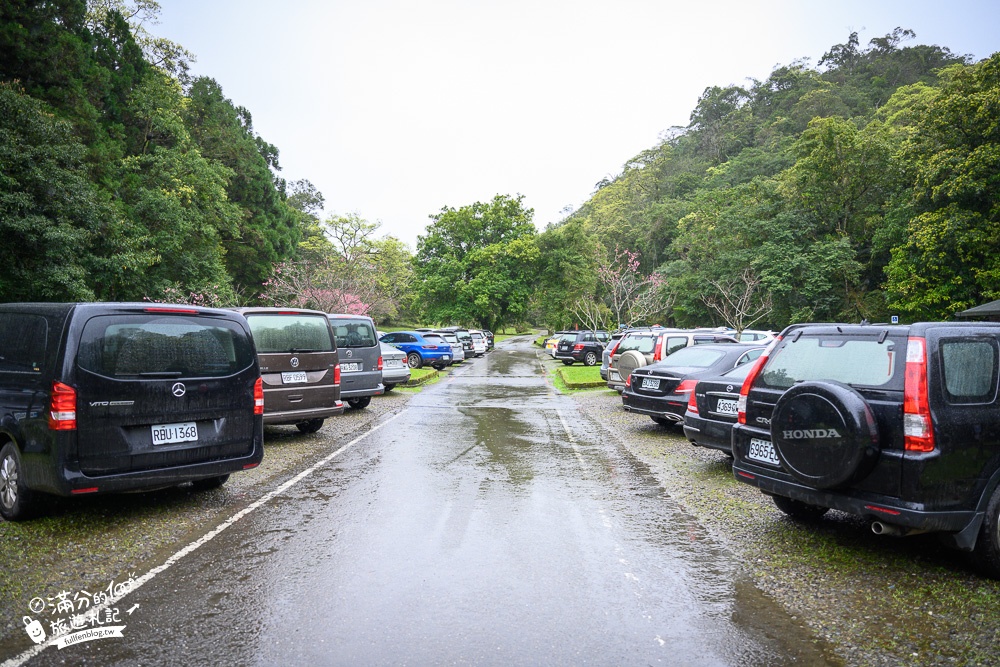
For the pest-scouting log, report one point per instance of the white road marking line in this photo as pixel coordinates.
(18, 660)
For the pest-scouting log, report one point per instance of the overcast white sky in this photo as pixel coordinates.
(394, 109)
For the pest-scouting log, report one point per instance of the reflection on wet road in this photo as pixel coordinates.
(491, 523)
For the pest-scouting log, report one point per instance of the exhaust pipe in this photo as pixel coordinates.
(880, 528)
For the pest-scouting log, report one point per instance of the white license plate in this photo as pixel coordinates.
(167, 434)
(763, 451)
(726, 406)
(293, 377)
(350, 368)
(393, 363)
(650, 383)
(614, 376)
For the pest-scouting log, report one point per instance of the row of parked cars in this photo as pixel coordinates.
(107, 397)
(898, 424)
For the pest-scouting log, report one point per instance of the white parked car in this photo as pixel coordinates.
(478, 341)
(394, 367)
(457, 351)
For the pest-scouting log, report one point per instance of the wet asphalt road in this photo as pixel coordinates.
(485, 523)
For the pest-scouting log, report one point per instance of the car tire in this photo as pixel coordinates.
(590, 359)
(310, 425)
(390, 387)
(414, 360)
(359, 403)
(628, 362)
(987, 550)
(798, 509)
(568, 362)
(16, 502)
(825, 434)
(210, 483)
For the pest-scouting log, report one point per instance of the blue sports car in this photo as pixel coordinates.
(421, 348)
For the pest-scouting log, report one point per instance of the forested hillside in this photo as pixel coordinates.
(862, 187)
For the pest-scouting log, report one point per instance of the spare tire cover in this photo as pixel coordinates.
(824, 434)
(628, 362)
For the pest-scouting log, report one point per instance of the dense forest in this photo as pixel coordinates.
(862, 187)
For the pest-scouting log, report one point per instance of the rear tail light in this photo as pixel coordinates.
(741, 402)
(160, 309)
(685, 387)
(615, 348)
(336, 374)
(628, 380)
(380, 363)
(658, 350)
(258, 397)
(62, 410)
(918, 430)
(692, 403)
(578, 347)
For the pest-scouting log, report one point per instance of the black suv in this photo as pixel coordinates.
(584, 346)
(103, 397)
(896, 423)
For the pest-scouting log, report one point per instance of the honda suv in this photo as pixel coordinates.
(899, 424)
(105, 397)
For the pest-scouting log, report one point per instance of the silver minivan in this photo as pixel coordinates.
(360, 359)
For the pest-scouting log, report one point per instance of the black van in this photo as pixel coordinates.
(104, 397)
(299, 364)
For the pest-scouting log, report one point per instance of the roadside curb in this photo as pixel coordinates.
(424, 379)
(579, 385)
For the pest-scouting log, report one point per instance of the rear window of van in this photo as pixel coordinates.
(353, 333)
(290, 333)
(121, 346)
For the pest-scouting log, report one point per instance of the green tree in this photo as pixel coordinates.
(49, 211)
(477, 263)
(267, 230)
(951, 259)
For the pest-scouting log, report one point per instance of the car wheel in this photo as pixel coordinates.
(590, 359)
(359, 403)
(987, 550)
(310, 425)
(825, 434)
(390, 387)
(798, 509)
(413, 360)
(16, 502)
(211, 482)
(568, 362)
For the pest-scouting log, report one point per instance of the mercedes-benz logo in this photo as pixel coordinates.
(294, 362)
(349, 353)
(729, 388)
(178, 389)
